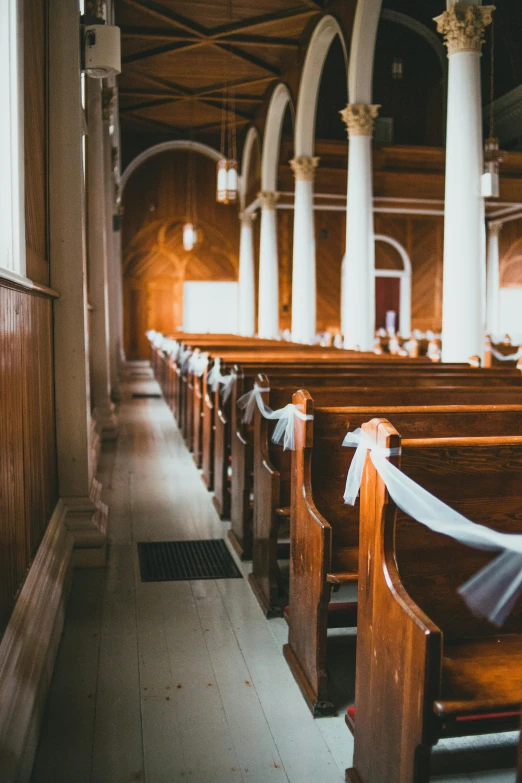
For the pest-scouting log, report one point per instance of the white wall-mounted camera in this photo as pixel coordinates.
(102, 50)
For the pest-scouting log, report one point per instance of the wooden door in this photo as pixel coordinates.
(387, 297)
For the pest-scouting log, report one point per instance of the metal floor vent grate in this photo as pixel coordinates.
(175, 561)
(137, 396)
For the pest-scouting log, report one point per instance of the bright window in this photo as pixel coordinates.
(210, 307)
(12, 222)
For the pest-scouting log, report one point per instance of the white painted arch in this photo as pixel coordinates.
(277, 107)
(325, 32)
(167, 146)
(252, 138)
(405, 285)
(362, 49)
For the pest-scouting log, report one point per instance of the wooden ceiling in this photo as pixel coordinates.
(180, 55)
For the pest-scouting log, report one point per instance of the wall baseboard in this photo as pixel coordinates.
(28, 649)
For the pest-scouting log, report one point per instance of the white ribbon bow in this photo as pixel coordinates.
(184, 358)
(197, 364)
(494, 590)
(284, 432)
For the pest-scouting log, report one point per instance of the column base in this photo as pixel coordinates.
(87, 519)
(106, 422)
(116, 393)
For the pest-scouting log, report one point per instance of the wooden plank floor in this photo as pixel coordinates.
(176, 681)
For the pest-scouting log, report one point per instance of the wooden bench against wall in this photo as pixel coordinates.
(427, 667)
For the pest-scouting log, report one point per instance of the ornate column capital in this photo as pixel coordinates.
(247, 218)
(304, 167)
(495, 227)
(463, 26)
(359, 118)
(268, 199)
(108, 103)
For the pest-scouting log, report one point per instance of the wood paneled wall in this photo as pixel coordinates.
(28, 484)
(154, 262)
(36, 138)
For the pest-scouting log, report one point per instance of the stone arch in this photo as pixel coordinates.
(362, 48)
(251, 141)
(325, 32)
(404, 275)
(177, 144)
(277, 107)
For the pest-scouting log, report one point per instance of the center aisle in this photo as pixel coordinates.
(173, 681)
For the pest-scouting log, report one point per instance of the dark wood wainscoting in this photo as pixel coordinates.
(28, 481)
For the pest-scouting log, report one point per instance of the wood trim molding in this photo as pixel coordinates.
(18, 282)
(29, 647)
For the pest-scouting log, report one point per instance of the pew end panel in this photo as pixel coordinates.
(265, 579)
(463, 676)
(208, 430)
(310, 545)
(240, 533)
(221, 456)
(393, 673)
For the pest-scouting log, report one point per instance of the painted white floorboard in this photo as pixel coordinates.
(176, 682)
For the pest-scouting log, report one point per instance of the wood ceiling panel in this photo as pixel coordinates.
(194, 48)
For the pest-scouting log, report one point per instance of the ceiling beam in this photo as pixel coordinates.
(219, 86)
(169, 16)
(258, 21)
(152, 95)
(249, 58)
(242, 40)
(165, 49)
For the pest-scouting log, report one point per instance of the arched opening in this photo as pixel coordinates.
(392, 284)
(250, 181)
(155, 265)
(409, 82)
(510, 300)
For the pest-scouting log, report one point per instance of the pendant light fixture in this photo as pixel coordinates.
(190, 231)
(227, 177)
(490, 180)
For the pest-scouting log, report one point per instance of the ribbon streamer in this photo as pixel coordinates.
(509, 358)
(493, 591)
(284, 432)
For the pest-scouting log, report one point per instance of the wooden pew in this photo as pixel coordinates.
(206, 407)
(505, 348)
(427, 667)
(325, 532)
(229, 427)
(192, 392)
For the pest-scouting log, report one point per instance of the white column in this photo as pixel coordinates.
(358, 274)
(98, 277)
(303, 267)
(246, 292)
(268, 306)
(113, 266)
(78, 489)
(463, 316)
(493, 279)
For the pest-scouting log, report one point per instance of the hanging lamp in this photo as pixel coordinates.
(190, 231)
(227, 186)
(490, 180)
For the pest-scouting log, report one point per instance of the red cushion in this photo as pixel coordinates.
(488, 716)
(463, 718)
